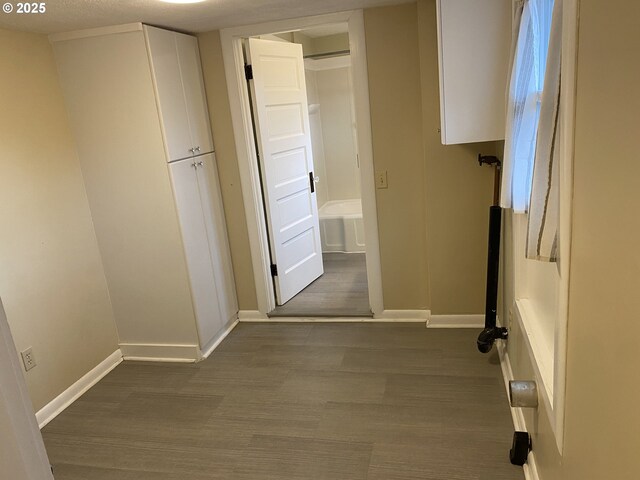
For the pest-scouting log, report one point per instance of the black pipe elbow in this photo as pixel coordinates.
(488, 336)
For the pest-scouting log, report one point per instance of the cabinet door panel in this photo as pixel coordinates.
(217, 233)
(194, 94)
(197, 251)
(168, 81)
(474, 38)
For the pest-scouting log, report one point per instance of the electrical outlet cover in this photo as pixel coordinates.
(28, 359)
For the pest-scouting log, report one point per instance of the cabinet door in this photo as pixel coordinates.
(170, 92)
(211, 199)
(196, 244)
(194, 94)
(474, 38)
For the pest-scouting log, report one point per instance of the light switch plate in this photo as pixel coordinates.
(381, 179)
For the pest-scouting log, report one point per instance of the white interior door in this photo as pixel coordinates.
(283, 136)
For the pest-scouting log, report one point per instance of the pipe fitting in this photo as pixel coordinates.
(523, 394)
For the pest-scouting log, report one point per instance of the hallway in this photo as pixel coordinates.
(297, 401)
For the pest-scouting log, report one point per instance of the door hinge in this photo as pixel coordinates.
(274, 270)
(248, 72)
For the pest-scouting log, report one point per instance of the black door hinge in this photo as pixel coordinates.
(248, 72)
(274, 270)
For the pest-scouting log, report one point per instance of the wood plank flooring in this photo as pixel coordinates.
(377, 401)
(341, 291)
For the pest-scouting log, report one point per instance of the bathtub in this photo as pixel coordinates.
(341, 226)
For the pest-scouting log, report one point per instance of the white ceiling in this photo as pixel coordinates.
(68, 15)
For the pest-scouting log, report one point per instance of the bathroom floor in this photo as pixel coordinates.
(341, 292)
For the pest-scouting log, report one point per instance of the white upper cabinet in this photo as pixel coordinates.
(194, 94)
(175, 63)
(474, 38)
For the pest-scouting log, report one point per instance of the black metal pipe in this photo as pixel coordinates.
(493, 267)
(491, 331)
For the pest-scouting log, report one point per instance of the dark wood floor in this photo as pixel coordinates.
(297, 402)
(341, 291)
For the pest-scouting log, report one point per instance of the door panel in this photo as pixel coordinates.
(194, 93)
(173, 108)
(211, 201)
(197, 249)
(284, 143)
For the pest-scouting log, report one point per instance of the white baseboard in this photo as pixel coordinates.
(530, 468)
(314, 320)
(386, 316)
(213, 344)
(71, 394)
(251, 316)
(456, 321)
(152, 352)
(419, 316)
(403, 316)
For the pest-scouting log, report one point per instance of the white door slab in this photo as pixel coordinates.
(283, 136)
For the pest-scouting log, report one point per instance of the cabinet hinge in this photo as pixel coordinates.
(248, 72)
(274, 270)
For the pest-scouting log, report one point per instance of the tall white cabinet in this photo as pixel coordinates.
(136, 101)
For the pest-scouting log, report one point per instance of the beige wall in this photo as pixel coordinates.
(317, 141)
(329, 44)
(458, 195)
(51, 278)
(442, 196)
(601, 431)
(438, 197)
(220, 114)
(396, 122)
(342, 176)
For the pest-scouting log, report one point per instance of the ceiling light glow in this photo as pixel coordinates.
(182, 1)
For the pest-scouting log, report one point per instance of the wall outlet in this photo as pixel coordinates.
(381, 179)
(28, 359)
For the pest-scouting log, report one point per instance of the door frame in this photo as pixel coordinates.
(232, 49)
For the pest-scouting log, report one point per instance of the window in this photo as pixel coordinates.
(525, 93)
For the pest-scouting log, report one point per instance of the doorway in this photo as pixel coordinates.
(306, 137)
(348, 280)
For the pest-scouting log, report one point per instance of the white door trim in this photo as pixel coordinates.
(231, 39)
